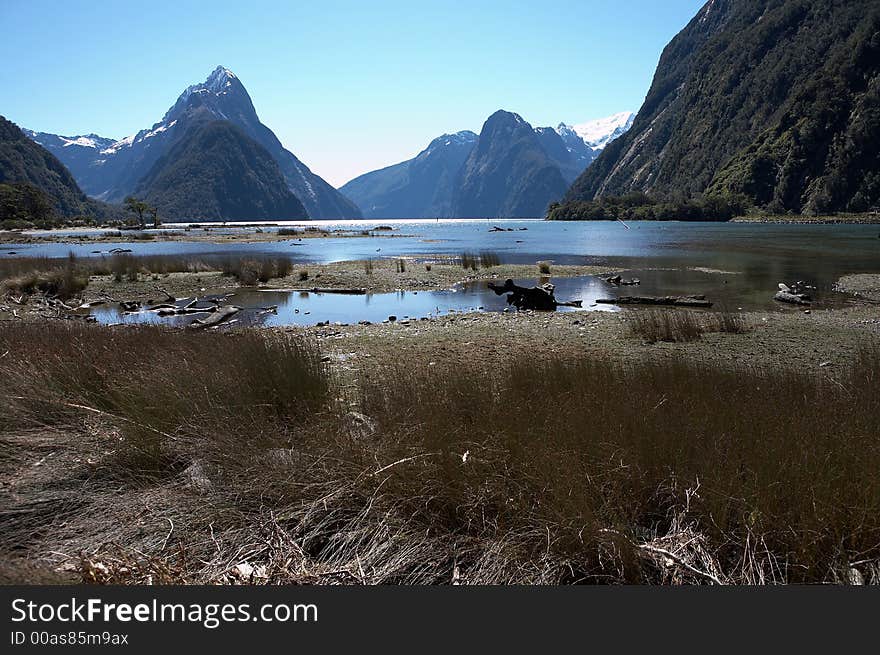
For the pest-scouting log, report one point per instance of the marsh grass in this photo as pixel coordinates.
(683, 325)
(59, 278)
(537, 471)
(169, 391)
(42, 274)
(483, 259)
(250, 271)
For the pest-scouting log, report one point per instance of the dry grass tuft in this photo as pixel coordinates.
(682, 325)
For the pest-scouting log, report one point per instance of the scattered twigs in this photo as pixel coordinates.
(648, 548)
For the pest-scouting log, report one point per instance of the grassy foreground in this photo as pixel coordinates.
(149, 455)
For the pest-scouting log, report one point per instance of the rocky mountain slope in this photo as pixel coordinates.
(775, 101)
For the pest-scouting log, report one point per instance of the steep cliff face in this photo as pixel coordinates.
(775, 99)
(508, 173)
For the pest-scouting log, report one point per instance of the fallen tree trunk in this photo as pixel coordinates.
(221, 315)
(792, 298)
(540, 298)
(676, 301)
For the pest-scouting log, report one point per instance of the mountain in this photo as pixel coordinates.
(774, 101)
(421, 187)
(112, 170)
(36, 185)
(508, 173)
(215, 173)
(424, 187)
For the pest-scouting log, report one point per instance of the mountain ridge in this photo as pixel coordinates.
(424, 186)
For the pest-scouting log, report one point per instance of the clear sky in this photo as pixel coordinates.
(347, 86)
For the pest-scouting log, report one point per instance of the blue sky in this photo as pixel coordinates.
(347, 86)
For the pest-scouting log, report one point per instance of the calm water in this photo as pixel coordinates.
(668, 257)
(307, 308)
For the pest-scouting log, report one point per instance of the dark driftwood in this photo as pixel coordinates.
(540, 298)
(677, 301)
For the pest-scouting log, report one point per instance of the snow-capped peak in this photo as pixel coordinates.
(600, 132)
(219, 83)
(219, 80)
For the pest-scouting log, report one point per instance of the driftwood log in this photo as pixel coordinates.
(792, 298)
(617, 280)
(676, 301)
(222, 315)
(795, 294)
(539, 298)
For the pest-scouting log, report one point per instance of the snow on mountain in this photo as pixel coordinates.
(600, 132)
(84, 141)
(57, 141)
(445, 140)
(116, 146)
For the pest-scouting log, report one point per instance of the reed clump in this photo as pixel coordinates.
(483, 259)
(682, 325)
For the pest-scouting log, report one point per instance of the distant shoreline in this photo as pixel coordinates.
(864, 219)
